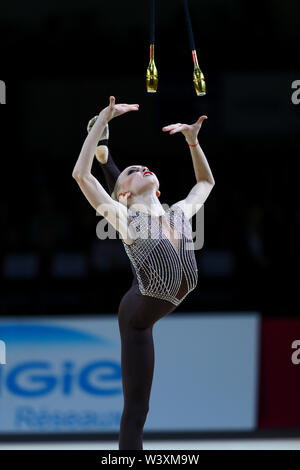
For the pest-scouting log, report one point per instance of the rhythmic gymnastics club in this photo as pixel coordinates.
(152, 74)
(198, 77)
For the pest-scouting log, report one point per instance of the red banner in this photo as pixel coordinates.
(279, 394)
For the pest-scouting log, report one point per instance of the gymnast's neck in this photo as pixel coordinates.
(147, 202)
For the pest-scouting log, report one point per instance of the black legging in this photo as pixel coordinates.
(136, 317)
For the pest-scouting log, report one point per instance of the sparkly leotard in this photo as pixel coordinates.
(162, 254)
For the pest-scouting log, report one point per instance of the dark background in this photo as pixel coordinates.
(62, 61)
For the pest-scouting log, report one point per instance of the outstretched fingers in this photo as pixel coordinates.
(127, 107)
(170, 127)
(173, 128)
(178, 129)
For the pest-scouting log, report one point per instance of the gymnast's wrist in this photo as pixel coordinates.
(192, 142)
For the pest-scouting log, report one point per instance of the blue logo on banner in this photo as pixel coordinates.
(40, 381)
(40, 378)
(13, 334)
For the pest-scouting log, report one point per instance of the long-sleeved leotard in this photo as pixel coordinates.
(138, 311)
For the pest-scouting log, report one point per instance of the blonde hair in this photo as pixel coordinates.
(91, 123)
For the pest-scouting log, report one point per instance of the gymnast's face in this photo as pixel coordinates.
(137, 179)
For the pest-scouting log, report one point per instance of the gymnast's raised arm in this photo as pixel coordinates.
(205, 180)
(112, 210)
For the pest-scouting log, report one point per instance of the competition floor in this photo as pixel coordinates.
(236, 444)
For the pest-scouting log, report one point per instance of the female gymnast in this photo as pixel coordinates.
(158, 243)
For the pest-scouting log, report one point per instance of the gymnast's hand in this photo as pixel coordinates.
(114, 110)
(190, 132)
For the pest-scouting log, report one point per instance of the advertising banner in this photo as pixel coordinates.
(63, 374)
